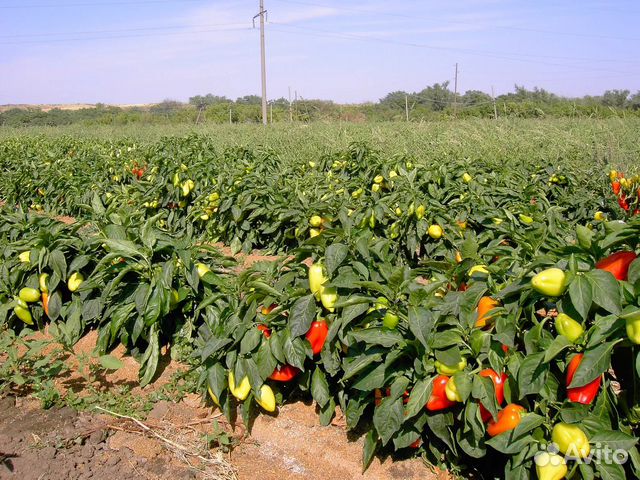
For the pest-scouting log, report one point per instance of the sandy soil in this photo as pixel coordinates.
(61, 443)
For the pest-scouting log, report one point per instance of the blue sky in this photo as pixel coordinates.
(128, 51)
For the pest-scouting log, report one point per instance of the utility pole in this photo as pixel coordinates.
(495, 109)
(290, 107)
(230, 121)
(263, 62)
(455, 93)
(406, 106)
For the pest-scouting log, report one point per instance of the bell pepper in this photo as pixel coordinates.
(615, 185)
(317, 335)
(617, 263)
(43, 282)
(316, 279)
(241, 392)
(485, 305)
(213, 396)
(633, 327)
(315, 221)
(329, 298)
(202, 269)
(25, 257)
(29, 295)
(23, 314)
(390, 320)
(568, 327)
(498, 382)
(266, 399)
(550, 282)
(585, 394)
(478, 269)
(284, 373)
(266, 331)
(435, 231)
(571, 440)
(45, 303)
(74, 282)
(267, 310)
(438, 399)
(526, 219)
(451, 391)
(449, 370)
(550, 466)
(508, 419)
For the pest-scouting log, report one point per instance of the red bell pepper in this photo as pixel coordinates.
(266, 331)
(284, 373)
(498, 383)
(616, 187)
(438, 399)
(317, 335)
(585, 394)
(508, 419)
(617, 263)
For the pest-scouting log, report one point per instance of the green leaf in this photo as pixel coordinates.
(109, 362)
(334, 255)
(250, 341)
(421, 323)
(369, 450)
(295, 351)
(371, 379)
(558, 344)
(388, 417)
(595, 362)
(217, 379)
(354, 365)
(633, 275)
(265, 360)
(606, 292)
(320, 387)
(58, 263)
(581, 295)
(584, 236)
(614, 440)
(419, 396)
(611, 471)
(150, 358)
(302, 314)
(532, 374)
(378, 336)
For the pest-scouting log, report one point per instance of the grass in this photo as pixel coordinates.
(610, 141)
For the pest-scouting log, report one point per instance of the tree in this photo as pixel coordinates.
(437, 97)
(249, 100)
(615, 98)
(475, 97)
(634, 101)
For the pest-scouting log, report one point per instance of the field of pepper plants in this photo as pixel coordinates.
(469, 292)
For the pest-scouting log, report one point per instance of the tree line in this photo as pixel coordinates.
(437, 101)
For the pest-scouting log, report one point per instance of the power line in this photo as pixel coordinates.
(109, 37)
(121, 30)
(414, 17)
(478, 53)
(94, 4)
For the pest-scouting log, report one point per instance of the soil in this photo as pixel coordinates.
(170, 442)
(65, 444)
(61, 443)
